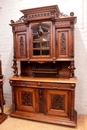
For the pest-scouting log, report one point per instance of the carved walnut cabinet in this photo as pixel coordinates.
(44, 46)
(3, 116)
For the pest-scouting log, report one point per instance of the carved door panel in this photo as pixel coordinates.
(40, 40)
(63, 43)
(20, 49)
(58, 102)
(25, 99)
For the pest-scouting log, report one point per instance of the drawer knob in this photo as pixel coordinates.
(39, 83)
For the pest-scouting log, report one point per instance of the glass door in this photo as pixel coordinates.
(41, 40)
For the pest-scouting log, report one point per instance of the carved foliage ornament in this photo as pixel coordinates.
(26, 98)
(21, 46)
(57, 102)
(63, 44)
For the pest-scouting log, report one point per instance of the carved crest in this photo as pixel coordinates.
(46, 12)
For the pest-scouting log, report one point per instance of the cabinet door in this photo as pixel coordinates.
(40, 40)
(58, 102)
(21, 46)
(63, 43)
(25, 99)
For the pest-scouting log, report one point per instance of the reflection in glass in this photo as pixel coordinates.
(45, 44)
(45, 29)
(45, 37)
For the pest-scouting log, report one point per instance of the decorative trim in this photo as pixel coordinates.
(63, 44)
(21, 46)
(41, 101)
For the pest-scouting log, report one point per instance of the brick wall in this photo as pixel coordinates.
(9, 9)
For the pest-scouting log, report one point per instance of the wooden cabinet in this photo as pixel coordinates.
(45, 88)
(3, 116)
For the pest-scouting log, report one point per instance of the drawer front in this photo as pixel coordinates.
(38, 84)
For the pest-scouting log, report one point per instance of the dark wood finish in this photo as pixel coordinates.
(3, 116)
(1, 76)
(45, 88)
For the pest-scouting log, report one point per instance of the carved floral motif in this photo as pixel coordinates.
(21, 46)
(26, 98)
(57, 102)
(63, 44)
(41, 101)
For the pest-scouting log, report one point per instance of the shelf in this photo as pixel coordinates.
(44, 79)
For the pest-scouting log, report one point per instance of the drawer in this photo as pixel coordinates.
(42, 84)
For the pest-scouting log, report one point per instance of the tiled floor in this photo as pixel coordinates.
(21, 124)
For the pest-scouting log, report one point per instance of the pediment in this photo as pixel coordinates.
(42, 12)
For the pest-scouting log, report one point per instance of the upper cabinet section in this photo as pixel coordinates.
(44, 34)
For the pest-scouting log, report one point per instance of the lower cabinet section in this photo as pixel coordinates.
(44, 102)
